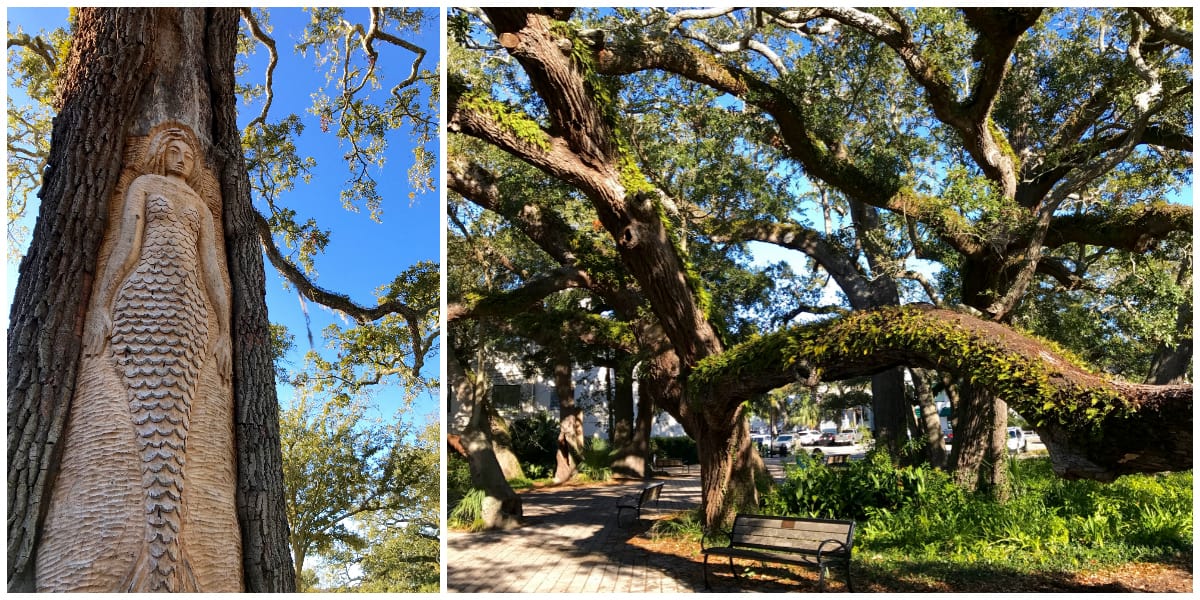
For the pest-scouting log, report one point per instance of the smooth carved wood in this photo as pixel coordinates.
(145, 497)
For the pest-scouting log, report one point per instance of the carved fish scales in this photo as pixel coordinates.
(160, 329)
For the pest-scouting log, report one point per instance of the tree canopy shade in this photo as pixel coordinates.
(1006, 148)
(101, 97)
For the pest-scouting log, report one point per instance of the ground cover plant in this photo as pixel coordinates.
(915, 519)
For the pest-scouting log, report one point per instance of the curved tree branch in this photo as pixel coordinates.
(362, 314)
(269, 42)
(1166, 26)
(1094, 427)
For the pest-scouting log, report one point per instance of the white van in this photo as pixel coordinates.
(1016, 440)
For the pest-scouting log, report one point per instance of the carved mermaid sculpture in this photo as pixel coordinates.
(160, 292)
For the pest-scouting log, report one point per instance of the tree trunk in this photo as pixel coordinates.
(930, 425)
(730, 472)
(1172, 363)
(621, 407)
(978, 459)
(468, 401)
(570, 423)
(889, 405)
(130, 71)
(632, 443)
(510, 465)
(298, 556)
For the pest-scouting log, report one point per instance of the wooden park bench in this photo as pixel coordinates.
(665, 463)
(819, 543)
(837, 460)
(636, 501)
(661, 463)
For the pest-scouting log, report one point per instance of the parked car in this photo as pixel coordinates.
(949, 436)
(827, 438)
(1016, 440)
(1032, 437)
(808, 437)
(848, 437)
(783, 443)
(762, 442)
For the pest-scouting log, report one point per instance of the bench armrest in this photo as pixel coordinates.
(821, 550)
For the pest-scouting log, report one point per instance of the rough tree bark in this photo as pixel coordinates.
(569, 453)
(469, 420)
(129, 70)
(930, 425)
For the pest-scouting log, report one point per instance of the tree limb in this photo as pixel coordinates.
(1165, 26)
(363, 315)
(269, 42)
(1095, 427)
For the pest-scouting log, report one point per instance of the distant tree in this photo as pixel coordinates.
(362, 494)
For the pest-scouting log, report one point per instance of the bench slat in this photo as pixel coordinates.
(768, 556)
(830, 526)
(793, 530)
(798, 544)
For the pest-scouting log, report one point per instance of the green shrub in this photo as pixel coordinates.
(535, 440)
(917, 514)
(684, 524)
(597, 460)
(683, 448)
(458, 478)
(468, 513)
(857, 491)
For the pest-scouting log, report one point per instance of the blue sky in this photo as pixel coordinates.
(362, 254)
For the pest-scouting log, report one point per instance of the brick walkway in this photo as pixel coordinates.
(571, 543)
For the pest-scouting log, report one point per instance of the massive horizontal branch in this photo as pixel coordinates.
(1095, 427)
(1135, 229)
(519, 300)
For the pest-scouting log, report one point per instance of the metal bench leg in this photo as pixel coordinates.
(706, 584)
(821, 576)
(733, 569)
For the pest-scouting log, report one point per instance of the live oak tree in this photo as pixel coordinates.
(101, 96)
(1009, 135)
(354, 483)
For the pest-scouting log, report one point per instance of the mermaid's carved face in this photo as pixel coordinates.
(180, 160)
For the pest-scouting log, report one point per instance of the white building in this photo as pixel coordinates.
(514, 395)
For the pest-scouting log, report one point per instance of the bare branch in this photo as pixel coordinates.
(37, 45)
(1166, 26)
(926, 284)
(361, 314)
(269, 42)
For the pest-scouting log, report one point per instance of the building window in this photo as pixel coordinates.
(506, 397)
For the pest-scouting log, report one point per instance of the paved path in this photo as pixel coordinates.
(571, 542)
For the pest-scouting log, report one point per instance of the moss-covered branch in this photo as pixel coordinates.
(1085, 414)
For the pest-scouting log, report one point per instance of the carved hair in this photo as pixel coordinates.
(156, 153)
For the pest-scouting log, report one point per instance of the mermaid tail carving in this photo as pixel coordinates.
(159, 338)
